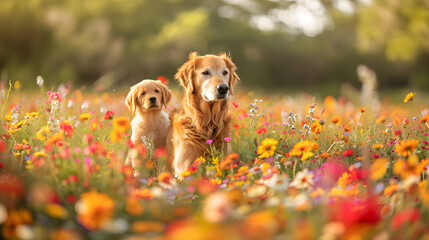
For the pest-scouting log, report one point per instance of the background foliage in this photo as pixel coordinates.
(109, 42)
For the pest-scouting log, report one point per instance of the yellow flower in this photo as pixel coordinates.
(38, 154)
(94, 209)
(406, 148)
(32, 115)
(17, 84)
(55, 210)
(84, 116)
(121, 124)
(42, 134)
(8, 117)
(307, 155)
(378, 169)
(345, 180)
(267, 148)
(409, 97)
(303, 147)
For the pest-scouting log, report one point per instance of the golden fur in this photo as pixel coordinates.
(204, 113)
(150, 119)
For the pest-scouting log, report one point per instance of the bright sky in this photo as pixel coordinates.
(309, 17)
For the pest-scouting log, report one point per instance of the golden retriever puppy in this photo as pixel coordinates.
(208, 82)
(146, 100)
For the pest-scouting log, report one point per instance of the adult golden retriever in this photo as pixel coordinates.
(208, 81)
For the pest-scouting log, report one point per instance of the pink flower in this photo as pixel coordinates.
(53, 95)
(227, 139)
(209, 141)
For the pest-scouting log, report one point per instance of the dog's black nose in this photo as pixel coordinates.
(152, 99)
(222, 88)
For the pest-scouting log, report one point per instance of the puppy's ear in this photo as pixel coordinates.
(131, 100)
(186, 73)
(166, 94)
(233, 77)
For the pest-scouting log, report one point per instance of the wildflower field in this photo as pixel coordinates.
(300, 168)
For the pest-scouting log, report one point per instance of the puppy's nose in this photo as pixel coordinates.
(152, 99)
(222, 88)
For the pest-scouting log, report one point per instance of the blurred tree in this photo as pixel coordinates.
(276, 44)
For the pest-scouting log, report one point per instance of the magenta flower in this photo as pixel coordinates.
(209, 141)
(227, 139)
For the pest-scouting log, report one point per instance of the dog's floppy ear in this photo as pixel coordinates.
(186, 72)
(166, 94)
(131, 100)
(233, 77)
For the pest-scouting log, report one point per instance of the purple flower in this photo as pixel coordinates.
(209, 141)
(227, 139)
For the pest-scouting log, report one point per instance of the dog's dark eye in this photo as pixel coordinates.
(225, 72)
(206, 73)
(157, 91)
(143, 93)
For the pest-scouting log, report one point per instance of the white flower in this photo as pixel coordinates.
(278, 182)
(303, 179)
(296, 201)
(39, 81)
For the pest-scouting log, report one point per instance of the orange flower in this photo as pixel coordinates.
(147, 226)
(121, 124)
(94, 209)
(115, 136)
(377, 146)
(345, 180)
(229, 161)
(423, 165)
(378, 169)
(406, 148)
(316, 127)
(406, 168)
(14, 219)
(142, 193)
(133, 206)
(165, 178)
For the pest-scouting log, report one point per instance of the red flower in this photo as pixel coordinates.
(67, 129)
(348, 153)
(354, 211)
(109, 115)
(163, 79)
(161, 153)
(3, 146)
(261, 130)
(408, 215)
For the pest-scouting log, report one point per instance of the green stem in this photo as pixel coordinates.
(415, 104)
(294, 168)
(5, 101)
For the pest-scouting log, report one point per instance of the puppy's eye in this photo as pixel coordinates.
(205, 72)
(156, 90)
(225, 72)
(143, 93)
